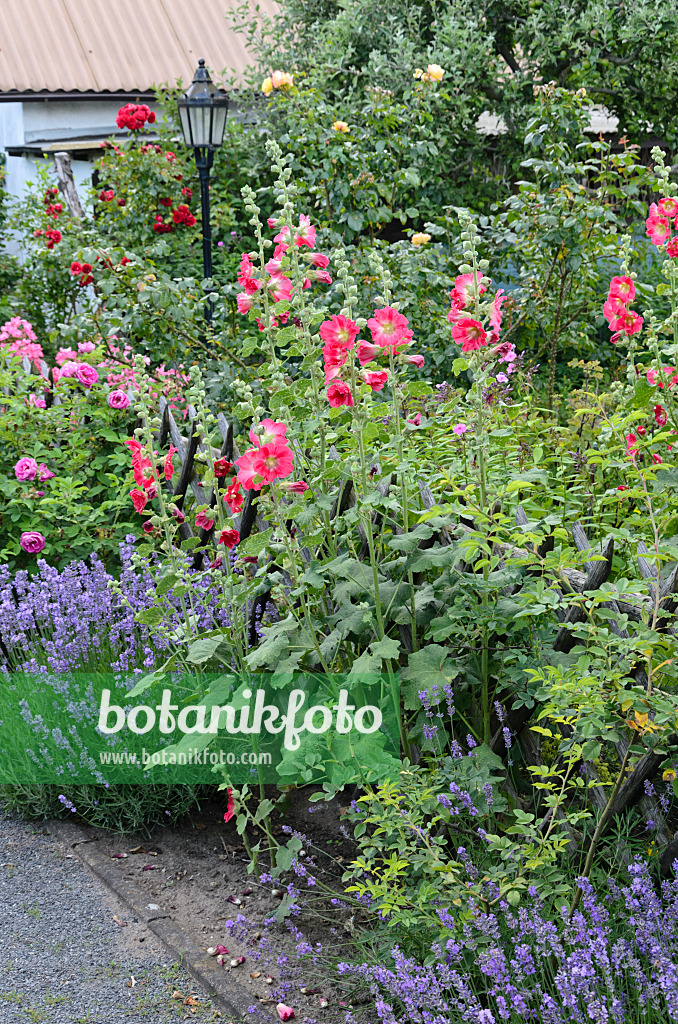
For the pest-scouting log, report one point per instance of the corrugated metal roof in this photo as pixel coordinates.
(114, 45)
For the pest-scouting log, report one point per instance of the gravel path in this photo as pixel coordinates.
(63, 957)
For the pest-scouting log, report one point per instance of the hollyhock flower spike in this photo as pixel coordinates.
(469, 334)
(32, 542)
(657, 226)
(389, 328)
(339, 394)
(26, 469)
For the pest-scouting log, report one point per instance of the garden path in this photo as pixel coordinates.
(64, 959)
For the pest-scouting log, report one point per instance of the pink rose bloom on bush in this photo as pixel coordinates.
(38, 403)
(85, 347)
(64, 355)
(86, 374)
(118, 399)
(32, 542)
(26, 469)
(44, 473)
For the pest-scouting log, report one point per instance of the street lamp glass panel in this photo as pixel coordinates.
(202, 111)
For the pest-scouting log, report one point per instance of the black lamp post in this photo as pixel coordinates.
(202, 112)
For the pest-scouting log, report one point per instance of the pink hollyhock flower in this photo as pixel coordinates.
(305, 233)
(657, 227)
(415, 420)
(668, 207)
(460, 294)
(389, 328)
(367, 352)
(246, 269)
(631, 450)
(86, 374)
(85, 347)
(32, 542)
(660, 417)
(273, 266)
(416, 360)
(26, 469)
(234, 497)
(285, 1012)
(147, 527)
(495, 317)
(335, 357)
(65, 355)
(139, 499)
(320, 275)
(272, 222)
(613, 308)
(169, 465)
(252, 285)
(672, 248)
(459, 429)
(273, 461)
(375, 378)
(39, 403)
(656, 458)
(44, 473)
(179, 515)
(469, 334)
(222, 467)
(338, 394)
(230, 811)
(627, 324)
(294, 486)
(248, 471)
(316, 259)
(203, 522)
(143, 469)
(622, 288)
(118, 399)
(229, 538)
(244, 302)
(267, 432)
(281, 288)
(506, 352)
(339, 331)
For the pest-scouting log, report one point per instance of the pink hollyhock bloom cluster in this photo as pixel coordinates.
(134, 116)
(278, 284)
(338, 334)
(669, 372)
(466, 330)
(623, 322)
(271, 458)
(461, 294)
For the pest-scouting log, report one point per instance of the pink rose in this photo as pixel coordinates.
(26, 469)
(85, 347)
(32, 542)
(44, 473)
(86, 374)
(118, 399)
(38, 403)
(64, 355)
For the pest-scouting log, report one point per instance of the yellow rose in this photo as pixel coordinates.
(434, 73)
(341, 126)
(420, 238)
(669, 775)
(267, 86)
(418, 73)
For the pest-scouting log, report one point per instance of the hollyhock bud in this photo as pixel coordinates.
(294, 486)
(285, 1012)
(416, 360)
(118, 399)
(26, 469)
(32, 542)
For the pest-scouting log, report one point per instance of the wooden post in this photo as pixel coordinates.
(64, 173)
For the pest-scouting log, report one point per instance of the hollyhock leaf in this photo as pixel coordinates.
(459, 366)
(386, 648)
(643, 392)
(166, 584)
(255, 543)
(202, 650)
(418, 389)
(150, 616)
